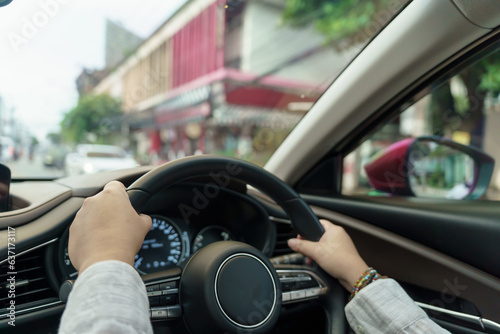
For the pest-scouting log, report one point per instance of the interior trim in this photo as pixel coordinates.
(31, 249)
(32, 309)
(480, 321)
(280, 220)
(481, 13)
(411, 262)
(41, 198)
(491, 323)
(449, 312)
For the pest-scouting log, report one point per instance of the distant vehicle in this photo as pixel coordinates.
(90, 159)
(55, 157)
(7, 149)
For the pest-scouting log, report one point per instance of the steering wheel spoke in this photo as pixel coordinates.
(304, 283)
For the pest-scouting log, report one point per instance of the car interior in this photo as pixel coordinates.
(444, 252)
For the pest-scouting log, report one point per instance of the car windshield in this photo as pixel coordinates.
(167, 79)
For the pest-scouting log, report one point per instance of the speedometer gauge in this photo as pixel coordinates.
(209, 235)
(162, 248)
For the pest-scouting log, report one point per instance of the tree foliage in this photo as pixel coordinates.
(92, 120)
(351, 22)
(341, 21)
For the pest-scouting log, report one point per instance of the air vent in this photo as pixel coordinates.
(32, 287)
(284, 231)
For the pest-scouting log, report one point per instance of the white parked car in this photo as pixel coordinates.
(97, 158)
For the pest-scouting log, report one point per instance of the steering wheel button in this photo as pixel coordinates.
(170, 292)
(154, 301)
(159, 314)
(174, 311)
(313, 292)
(298, 274)
(168, 299)
(153, 287)
(154, 293)
(284, 276)
(308, 284)
(169, 285)
(294, 295)
(288, 286)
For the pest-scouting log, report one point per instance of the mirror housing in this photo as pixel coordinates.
(430, 166)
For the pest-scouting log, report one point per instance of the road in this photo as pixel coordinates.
(24, 168)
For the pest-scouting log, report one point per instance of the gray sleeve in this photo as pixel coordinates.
(384, 307)
(109, 297)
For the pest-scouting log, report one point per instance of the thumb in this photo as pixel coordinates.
(306, 247)
(146, 221)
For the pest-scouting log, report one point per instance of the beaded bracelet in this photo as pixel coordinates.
(368, 276)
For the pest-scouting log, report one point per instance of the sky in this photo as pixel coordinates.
(45, 44)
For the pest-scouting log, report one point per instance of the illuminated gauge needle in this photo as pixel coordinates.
(138, 262)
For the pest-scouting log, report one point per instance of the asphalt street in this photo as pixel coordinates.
(25, 168)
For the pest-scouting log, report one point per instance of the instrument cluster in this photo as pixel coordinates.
(173, 239)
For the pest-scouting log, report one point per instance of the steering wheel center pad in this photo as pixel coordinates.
(229, 286)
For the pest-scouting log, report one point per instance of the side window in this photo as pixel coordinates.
(443, 145)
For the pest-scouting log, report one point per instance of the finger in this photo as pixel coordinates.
(306, 247)
(326, 224)
(116, 187)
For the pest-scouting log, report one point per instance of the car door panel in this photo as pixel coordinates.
(409, 261)
(465, 230)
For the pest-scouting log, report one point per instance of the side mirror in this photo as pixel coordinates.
(4, 187)
(431, 167)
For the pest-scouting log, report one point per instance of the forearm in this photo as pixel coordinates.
(109, 297)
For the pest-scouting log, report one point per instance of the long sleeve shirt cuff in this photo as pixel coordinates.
(109, 297)
(384, 307)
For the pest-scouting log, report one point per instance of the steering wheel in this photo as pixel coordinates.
(230, 286)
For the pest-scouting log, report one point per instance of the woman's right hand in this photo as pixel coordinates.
(334, 252)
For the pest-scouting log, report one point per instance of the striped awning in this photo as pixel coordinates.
(239, 115)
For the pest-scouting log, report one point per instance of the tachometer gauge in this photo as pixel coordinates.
(162, 248)
(209, 235)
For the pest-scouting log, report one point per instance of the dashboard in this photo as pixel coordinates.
(185, 217)
(184, 221)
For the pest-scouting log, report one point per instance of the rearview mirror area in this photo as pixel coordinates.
(4, 3)
(430, 167)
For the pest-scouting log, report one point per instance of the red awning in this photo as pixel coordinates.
(183, 116)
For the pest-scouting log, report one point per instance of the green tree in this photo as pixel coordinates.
(342, 22)
(94, 119)
(349, 23)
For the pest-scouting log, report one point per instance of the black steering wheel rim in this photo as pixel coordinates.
(303, 219)
(305, 223)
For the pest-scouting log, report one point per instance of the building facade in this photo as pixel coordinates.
(219, 77)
